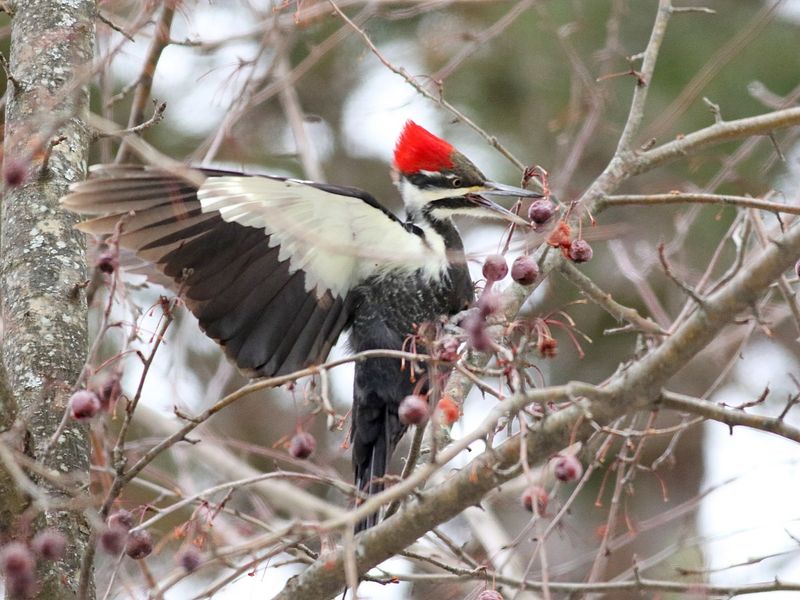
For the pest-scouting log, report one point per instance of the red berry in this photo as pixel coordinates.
(490, 303)
(548, 346)
(49, 544)
(121, 518)
(302, 445)
(15, 173)
(580, 251)
(16, 560)
(112, 539)
(448, 411)
(139, 545)
(495, 268)
(567, 468)
(541, 211)
(107, 262)
(448, 349)
(84, 404)
(190, 559)
(490, 595)
(413, 410)
(537, 494)
(524, 270)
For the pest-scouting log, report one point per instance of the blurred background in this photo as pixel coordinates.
(291, 89)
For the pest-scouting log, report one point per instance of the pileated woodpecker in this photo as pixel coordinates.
(274, 269)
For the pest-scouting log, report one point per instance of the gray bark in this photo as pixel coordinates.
(42, 260)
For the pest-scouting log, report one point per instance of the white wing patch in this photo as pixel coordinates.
(336, 240)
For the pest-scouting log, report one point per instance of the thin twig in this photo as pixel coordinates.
(729, 416)
(606, 301)
(144, 83)
(687, 289)
(689, 198)
(157, 117)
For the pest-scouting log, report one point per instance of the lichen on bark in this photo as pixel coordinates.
(42, 262)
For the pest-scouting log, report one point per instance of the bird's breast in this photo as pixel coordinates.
(389, 307)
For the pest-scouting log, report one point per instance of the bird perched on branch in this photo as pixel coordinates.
(275, 269)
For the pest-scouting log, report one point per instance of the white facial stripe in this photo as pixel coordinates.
(476, 211)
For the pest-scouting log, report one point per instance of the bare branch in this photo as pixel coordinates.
(730, 416)
(689, 198)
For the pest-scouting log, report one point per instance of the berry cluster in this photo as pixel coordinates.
(18, 561)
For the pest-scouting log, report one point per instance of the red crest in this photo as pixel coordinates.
(418, 149)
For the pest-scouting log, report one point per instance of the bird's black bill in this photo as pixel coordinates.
(492, 188)
(501, 211)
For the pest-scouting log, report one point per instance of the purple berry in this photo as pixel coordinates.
(16, 560)
(17, 564)
(121, 518)
(541, 211)
(49, 544)
(107, 262)
(537, 494)
(567, 468)
(495, 268)
(580, 251)
(21, 586)
(139, 544)
(480, 340)
(472, 322)
(524, 270)
(302, 445)
(112, 539)
(15, 173)
(190, 560)
(413, 410)
(489, 303)
(84, 404)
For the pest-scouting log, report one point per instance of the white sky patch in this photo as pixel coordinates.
(751, 516)
(789, 10)
(194, 104)
(318, 133)
(376, 110)
(171, 383)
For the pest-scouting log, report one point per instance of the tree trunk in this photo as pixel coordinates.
(42, 268)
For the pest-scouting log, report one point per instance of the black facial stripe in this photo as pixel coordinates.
(452, 203)
(425, 182)
(450, 178)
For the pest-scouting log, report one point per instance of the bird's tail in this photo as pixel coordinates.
(369, 476)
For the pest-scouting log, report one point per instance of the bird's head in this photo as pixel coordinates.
(438, 181)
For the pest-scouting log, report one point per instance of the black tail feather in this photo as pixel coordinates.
(369, 475)
(380, 384)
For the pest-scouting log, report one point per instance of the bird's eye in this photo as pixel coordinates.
(455, 182)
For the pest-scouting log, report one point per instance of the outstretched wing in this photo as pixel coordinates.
(266, 264)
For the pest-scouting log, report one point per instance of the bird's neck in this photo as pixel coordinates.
(438, 233)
